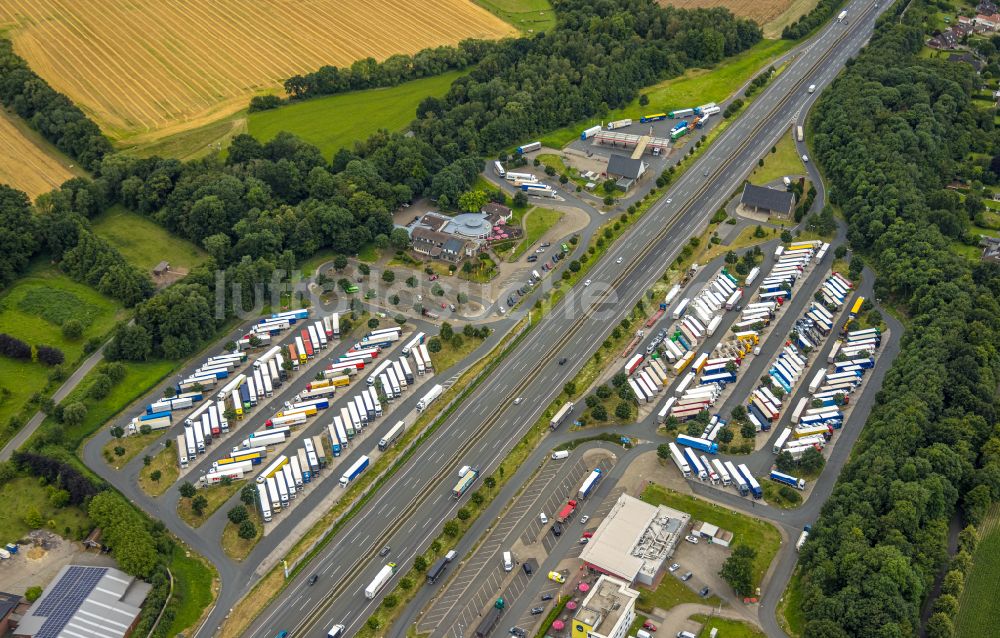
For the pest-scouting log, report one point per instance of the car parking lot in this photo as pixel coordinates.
(481, 578)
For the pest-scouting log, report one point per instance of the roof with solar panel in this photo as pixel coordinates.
(86, 602)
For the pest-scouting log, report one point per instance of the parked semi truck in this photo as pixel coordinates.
(561, 415)
(381, 578)
(788, 479)
(352, 472)
(589, 484)
(567, 511)
(430, 397)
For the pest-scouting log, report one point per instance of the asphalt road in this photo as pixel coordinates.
(416, 501)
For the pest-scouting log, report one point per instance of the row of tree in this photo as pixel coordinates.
(891, 134)
(50, 113)
(369, 73)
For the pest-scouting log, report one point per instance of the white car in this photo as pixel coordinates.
(586, 283)
(691, 539)
(805, 158)
(502, 310)
(674, 567)
(670, 200)
(539, 250)
(518, 400)
(584, 519)
(619, 260)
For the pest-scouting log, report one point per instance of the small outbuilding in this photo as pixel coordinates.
(758, 200)
(161, 269)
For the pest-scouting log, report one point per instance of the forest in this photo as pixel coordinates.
(268, 206)
(892, 132)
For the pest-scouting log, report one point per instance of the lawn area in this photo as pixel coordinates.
(33, 309)
(337, 121)
(696, 86)
(145, 243)
(537, 222)
(236, 547)
(482, 270)
(193, 590)
(166, 462)
(727, 628)
(139, 378)
(670, 593)
(132, 446)
(450, 355)
(790, 615)
(529, 16)
(784, 161)
(978, 615)
(22, 493)
(196, 143)
(751, 531)
(216, 495)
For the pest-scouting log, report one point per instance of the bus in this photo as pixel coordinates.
(498, 169)
(798, 133)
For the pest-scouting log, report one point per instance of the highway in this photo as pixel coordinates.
(411, 508)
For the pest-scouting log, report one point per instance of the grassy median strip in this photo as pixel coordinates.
(239, 548)
(165, 462)
(321, 534)
(214, 497)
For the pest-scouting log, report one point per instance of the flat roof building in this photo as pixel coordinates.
(85, 602)
(608, 611)
(634, 540)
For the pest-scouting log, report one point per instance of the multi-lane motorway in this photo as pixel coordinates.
(410, 509)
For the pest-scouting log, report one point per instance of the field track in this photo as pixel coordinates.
(25, 164)
(148, 68)
(760, 11)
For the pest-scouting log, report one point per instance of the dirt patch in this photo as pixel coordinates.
(26, 163)
(760, 11)
(37, 566)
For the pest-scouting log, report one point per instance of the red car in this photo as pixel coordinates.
(648, 626)
(434, 277)
(588, 534)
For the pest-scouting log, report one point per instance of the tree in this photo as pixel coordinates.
(663, 451)
(248, 495)
(520, 200)
(74, 413)
(187, 490)
(155, 476)
(33, 518)
(405, 584)
(953, 583)
(372, 323)
(599, 413)
(623, 410)
(947, 605)
(373, 623)
(198, 504)
(33, 593)
(116, 431)
(390, 601)
(420, 564)
(477, 499)
(388, 276)
(473, 201)
(247, 530)
(238, 514)
(737, 570)
(100, 387)
(490, 482)
(451, 529)
(939, 625)
(812, 461)
(339, 262)
(399, 239)
(411, 282)
(72, 329)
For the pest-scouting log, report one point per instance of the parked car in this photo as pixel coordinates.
(588, 534)
(547, 597)
(584, 541)
(434, 277)
(687, 576)
(648, 626)
(705, 591)
(545, 244)
(691, 539)
(537, 610)
(543, 518)
(532, 257)
(674, 567)
(583, 521)
(527, 568)
(557, 528)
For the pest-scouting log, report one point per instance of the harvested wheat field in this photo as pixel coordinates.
(147, 68)
(28, 165)
(760, 11)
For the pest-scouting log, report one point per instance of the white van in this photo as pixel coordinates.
(335, 631)
(561, 454)
(685, 634)
(508, 562)
(543, 518)
(642, 633)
